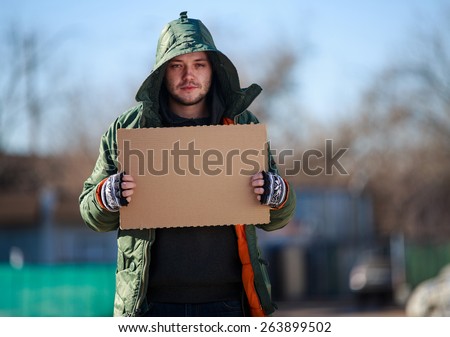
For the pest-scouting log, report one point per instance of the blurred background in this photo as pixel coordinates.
(356, 96)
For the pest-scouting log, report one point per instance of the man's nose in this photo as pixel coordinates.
(188, 73)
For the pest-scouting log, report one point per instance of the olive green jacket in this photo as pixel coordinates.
(134, 246)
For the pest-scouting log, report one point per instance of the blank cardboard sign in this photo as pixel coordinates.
(193, 176)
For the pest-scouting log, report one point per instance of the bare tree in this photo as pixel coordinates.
(30, 81)
(10, 83)
(401, 140)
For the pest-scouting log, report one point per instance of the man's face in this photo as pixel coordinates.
(188, 78)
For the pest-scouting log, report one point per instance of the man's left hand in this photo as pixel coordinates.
(270, 188)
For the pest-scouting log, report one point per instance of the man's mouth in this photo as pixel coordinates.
(189, 87)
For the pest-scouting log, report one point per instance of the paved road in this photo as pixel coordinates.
(335, 309)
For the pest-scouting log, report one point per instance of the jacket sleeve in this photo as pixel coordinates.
(93, 214)
(279, 217)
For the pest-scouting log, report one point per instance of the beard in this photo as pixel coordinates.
(188, 100)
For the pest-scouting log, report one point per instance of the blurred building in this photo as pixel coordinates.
(313, 255)
(39, 214)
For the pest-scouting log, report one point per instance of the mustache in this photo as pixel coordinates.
(189, 84)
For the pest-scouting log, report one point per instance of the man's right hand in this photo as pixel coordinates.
(117, 191)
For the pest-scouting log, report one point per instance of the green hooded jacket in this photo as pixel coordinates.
(178, 37)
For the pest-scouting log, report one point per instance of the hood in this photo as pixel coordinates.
(186, 35)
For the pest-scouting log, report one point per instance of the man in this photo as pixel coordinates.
(199, 271)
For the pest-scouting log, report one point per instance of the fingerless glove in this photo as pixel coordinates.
(111, 193)
(274, 190)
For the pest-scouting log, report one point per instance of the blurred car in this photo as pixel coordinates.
(370, 278)
(431, 297)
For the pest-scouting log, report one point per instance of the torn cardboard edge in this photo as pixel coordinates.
(193, 176)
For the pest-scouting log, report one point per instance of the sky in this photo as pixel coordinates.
(347, 41)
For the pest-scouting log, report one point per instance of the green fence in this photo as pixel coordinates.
(87, 290)
(425, 261)
(57, 290)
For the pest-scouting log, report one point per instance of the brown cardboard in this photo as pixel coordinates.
(193, 176)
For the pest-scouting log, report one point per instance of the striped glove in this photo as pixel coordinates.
(274, 190)
(111, 193)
